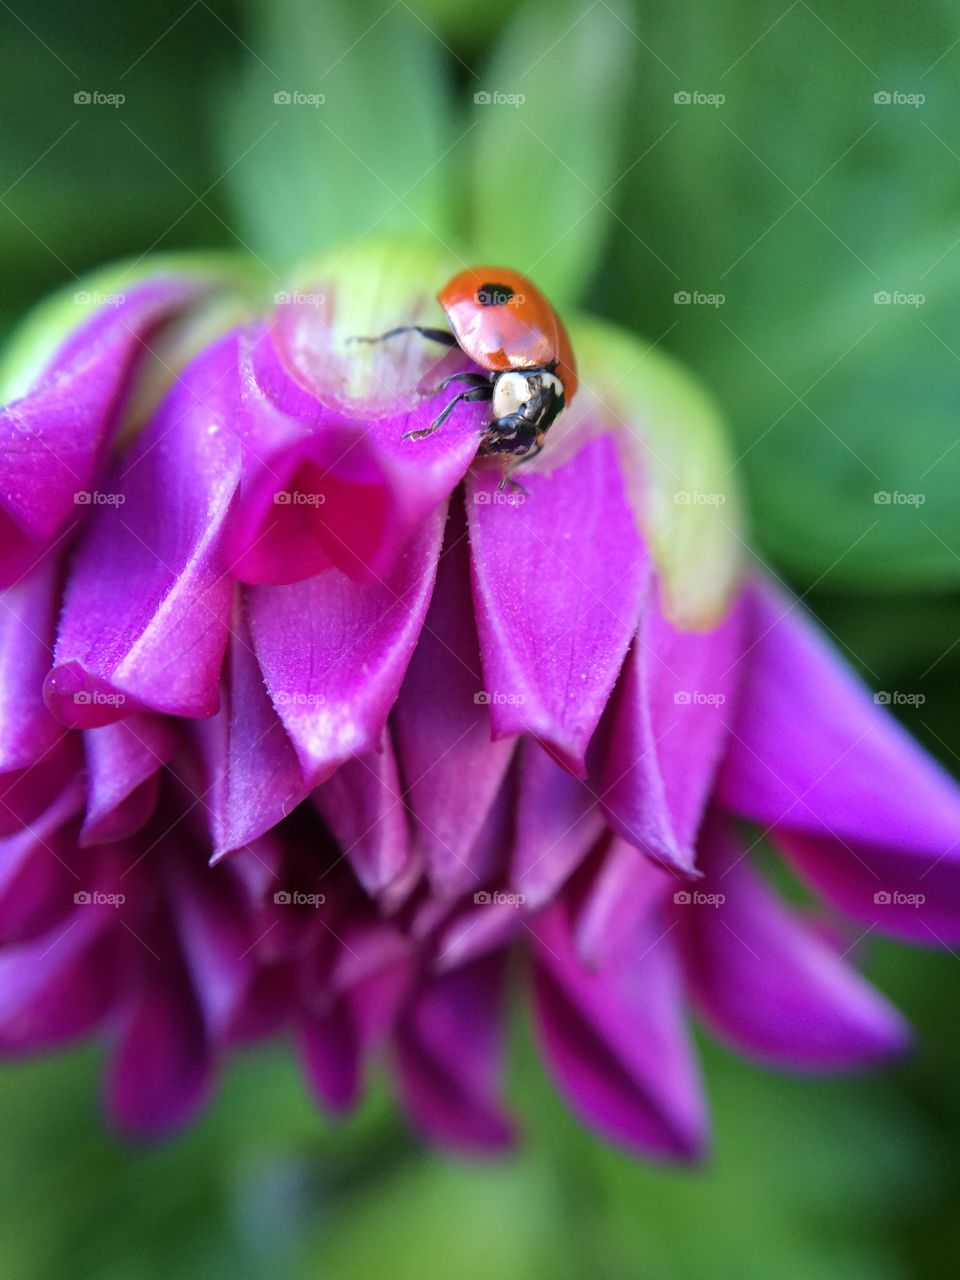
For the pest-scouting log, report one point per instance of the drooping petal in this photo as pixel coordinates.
(911, 896)
(253, 777)
(123, 764)
(452, 770)
(559, 819)
(769, 983)
(615, 1041)
(333, 652)
(147, 607)
(324, 489)
(485, 924)
(53, 441)
(449, 1052)
(56, 986)
(337, 1033)
(559, 580)
(812, 751)
(362, 806)
(619, 901)
(159, 1070)
(216, 934)
(39, 869)
(674, 705)
(36, 757)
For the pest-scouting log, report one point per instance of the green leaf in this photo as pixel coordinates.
(546, 143)
(340, 129)
(799, 198)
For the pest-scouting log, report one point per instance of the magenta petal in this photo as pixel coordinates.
(616, 1043)
(35, 758)
(38, 875)
(147, 607)
(53, 440)
(56, 986)
(331, 1056)
(767, 982)
(333, 652)
(559, 580)
(217, 937)
(320, 488)
(619, 903)
(361, 805)
(449, 1053)
(452, 770)
(811, 749)
(674, 706)
(159, 1073)
(483, 926)
(909, 896)
(558, 822)
(253, 777)
(123, 764)
(334, 1040)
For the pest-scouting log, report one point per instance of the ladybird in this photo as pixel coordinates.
(502, 321)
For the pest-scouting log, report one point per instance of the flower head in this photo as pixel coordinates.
(309, 728)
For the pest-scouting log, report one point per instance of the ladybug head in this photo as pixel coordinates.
(536, 394)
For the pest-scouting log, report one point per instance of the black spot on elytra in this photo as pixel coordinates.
(494, 295)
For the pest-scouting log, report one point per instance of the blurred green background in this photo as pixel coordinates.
(801, 161)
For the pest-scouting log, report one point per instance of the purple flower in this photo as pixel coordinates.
(309, 729)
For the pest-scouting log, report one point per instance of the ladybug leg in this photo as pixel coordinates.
(475, 379)
(475, 393)
(435, 335)
(510, 465)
